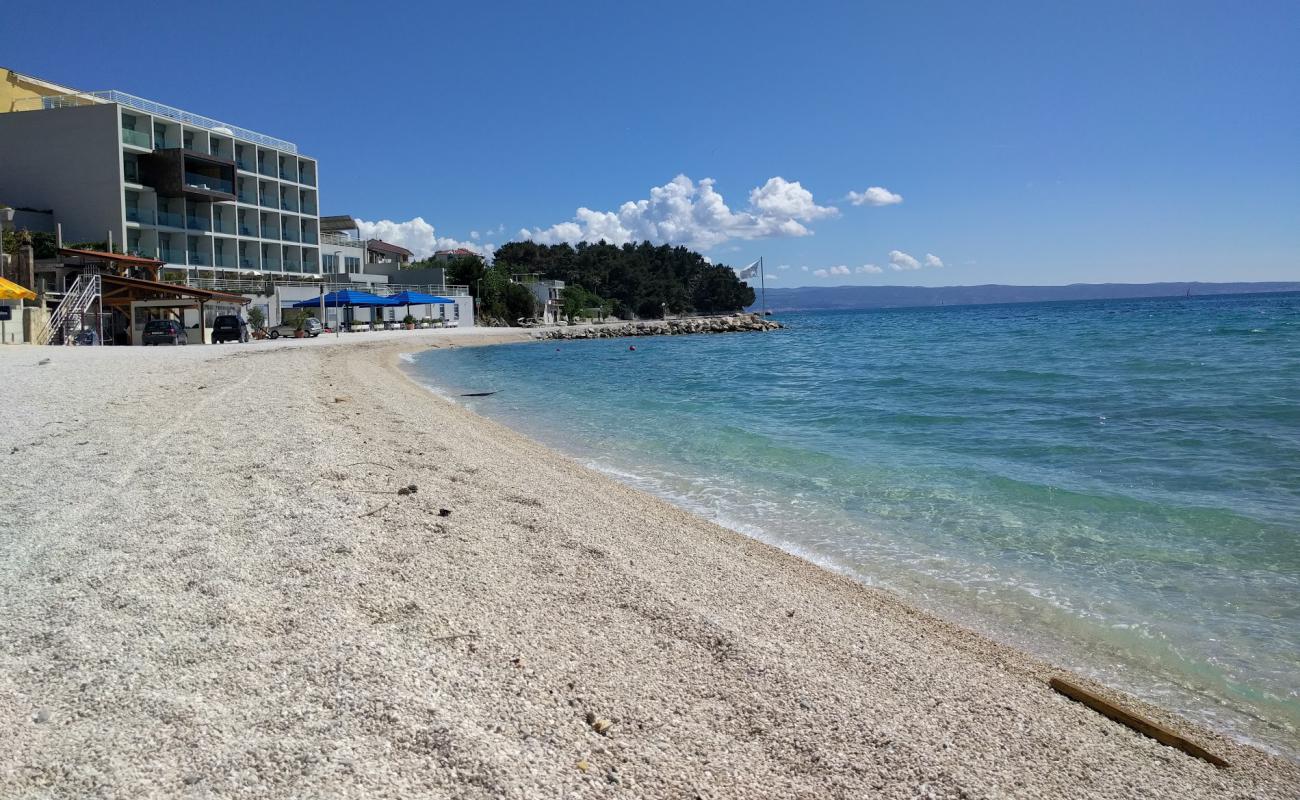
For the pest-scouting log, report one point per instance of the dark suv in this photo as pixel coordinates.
(164, 331)
(228, 328)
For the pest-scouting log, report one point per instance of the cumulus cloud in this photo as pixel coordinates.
(829, 271)
(931, 260)
(875, 196)
(868, 269)
(419, 237)
(783, 267)
(803, 269)
(899, 261)
(693, 214)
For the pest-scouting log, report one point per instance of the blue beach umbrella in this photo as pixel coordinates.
(409, 299)
(346, 298)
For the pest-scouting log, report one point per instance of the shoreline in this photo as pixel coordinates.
(1067, 652)
(265, 613)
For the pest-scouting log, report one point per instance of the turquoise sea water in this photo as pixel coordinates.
(1112, 485)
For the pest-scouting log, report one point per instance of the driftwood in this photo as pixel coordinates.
(480, 394)
(1143, 726)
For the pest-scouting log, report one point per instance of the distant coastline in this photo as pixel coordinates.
(832, 298)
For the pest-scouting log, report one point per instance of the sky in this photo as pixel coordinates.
(918, 143)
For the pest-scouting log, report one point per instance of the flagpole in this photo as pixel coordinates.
(762, 277)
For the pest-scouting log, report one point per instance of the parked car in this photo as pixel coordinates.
(86, 336)
(164, 331)
(229, 328)
(311, 327)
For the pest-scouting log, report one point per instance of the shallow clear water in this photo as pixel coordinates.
(1113, 485)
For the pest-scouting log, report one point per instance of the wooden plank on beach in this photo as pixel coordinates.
(1143, 726)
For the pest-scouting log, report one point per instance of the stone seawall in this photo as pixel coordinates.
(658, 327)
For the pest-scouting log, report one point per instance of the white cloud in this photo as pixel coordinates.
(803, 269)
(693, 214)
(931, 260)
(418, 236)
(868, 269)
(783, 267)
(473, 235)
(875, 196)
(899, 261)
(829, 271)
(821, 273)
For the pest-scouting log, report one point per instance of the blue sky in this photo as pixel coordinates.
(1028, 142)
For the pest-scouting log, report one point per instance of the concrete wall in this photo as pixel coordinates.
(68, 160)
(430, 275)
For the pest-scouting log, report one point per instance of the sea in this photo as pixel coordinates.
(1113, 485)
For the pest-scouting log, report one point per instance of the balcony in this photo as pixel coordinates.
(292, 266)
(244, 230)
(136, 139)
(169, 255)
(219, 225)
(270, 263)
(170, 219)
(290, 235)
(285, 205)
(269, 201)
(223, 260)
(309, 208)
(209, 183)
(270, 232)
(199, 259)
(198, 224)
(245, 165)
(285, 176)
(308, 237)
(266, 170)
(308, 179)
(142, 216)
(247, 263)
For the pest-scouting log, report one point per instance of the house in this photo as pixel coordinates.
(381, 252)
(547, 294)
(459, 252)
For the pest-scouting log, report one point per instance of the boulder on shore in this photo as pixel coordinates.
(734, 323)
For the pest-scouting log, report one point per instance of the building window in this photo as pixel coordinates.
(330, 262)
(353, 263)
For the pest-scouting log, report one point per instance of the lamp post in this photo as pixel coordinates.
(338, 323)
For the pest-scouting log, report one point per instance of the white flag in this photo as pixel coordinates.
(748, 272)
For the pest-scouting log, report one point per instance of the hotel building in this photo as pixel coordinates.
(211, 199)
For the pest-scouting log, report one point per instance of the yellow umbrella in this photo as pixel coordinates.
(12, 291)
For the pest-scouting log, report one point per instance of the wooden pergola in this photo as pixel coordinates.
(119, 292)
(113, 263)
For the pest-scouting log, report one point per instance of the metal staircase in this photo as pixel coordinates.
(72, 311)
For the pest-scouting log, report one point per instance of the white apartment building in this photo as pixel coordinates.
(209, 198)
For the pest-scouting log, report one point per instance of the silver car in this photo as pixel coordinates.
(312, 327)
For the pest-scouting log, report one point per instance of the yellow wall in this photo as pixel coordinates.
(15, 87)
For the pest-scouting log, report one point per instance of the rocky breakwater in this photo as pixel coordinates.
(663, 327)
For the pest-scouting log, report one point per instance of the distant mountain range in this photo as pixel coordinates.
(817, 298)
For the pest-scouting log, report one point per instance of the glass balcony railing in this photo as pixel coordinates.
(223, 260)
(269, 232)
(308, 179)
(244, 230)
(250, 199)
(285, 205)
(170, 219)
(168, 255)
(209, 182)
(266, 170)
(131, 173)
(247, 263)
(141, 215)
(219, 225)
(308, 237)
(198, 224)
(245, 165)
(199, 260)
(269, 201)
(308, 208)
(136, 138)
(270, 263)
(290, 235)
(285, 175)
(292, 266)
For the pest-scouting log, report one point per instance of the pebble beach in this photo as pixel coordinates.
(283, 569)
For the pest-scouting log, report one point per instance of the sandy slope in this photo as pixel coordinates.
(208, 587)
